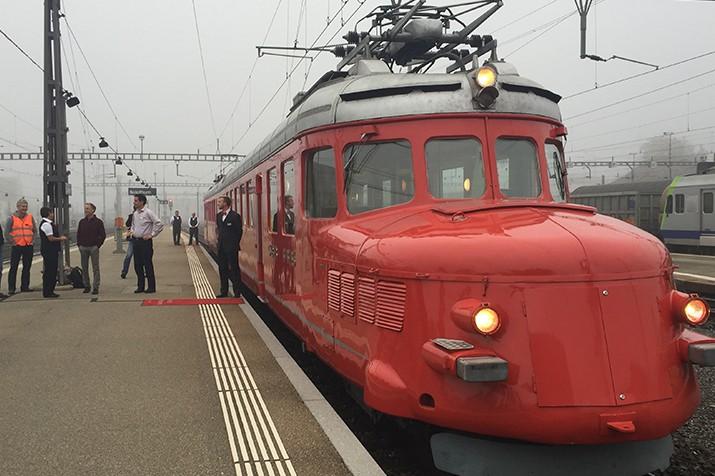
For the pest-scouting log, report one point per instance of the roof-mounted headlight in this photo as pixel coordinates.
(486, 76)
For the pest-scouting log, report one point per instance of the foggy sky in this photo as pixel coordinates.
(146, 57)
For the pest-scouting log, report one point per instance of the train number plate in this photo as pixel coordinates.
(452, 344)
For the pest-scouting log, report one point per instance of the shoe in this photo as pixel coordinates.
(95, 291)
(11, 292)
(86, 290)
(3, 296)
(124, 275)
(222, 295)
(27, 290)
(137, 291)
(53, 295)
(150, 291)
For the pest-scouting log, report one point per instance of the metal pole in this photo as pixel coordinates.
(84, 179)
(104, 194)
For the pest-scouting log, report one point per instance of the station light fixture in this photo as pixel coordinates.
(137, 179)
(130, 173)
(103, 143)
(118, 161)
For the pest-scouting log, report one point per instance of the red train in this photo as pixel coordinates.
(413, 230)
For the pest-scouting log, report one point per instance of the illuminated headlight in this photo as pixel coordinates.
(486, 321)
(696, 312)
(486, 77)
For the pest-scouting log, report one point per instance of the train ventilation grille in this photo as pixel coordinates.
(347, 294)
(334, 290)
(367, 297)
(390, 309)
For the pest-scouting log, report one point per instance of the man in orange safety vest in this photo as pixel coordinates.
(20, 230)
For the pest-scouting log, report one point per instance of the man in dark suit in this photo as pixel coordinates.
(229, 228)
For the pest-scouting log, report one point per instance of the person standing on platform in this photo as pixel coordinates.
(21, 229)
(2, 243)
(50, 240)
(145, 227)
(130, 246)
(193, 229)
(176, 227)
(90, 237)
(229, 228)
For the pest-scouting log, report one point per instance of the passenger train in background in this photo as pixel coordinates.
(435, 263)
(680, 211)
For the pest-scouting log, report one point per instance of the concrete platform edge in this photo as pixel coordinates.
(353, 453)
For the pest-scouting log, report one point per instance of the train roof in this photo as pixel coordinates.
(371, 91)
(656, 186)
(707, 179)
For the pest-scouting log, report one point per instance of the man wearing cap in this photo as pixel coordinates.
(20, 229)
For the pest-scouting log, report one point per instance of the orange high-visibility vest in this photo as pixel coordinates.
(21, 232)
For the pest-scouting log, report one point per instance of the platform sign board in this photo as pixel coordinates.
(145, 190)
(163, 202)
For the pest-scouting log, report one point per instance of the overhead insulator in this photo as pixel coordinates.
(352, 37)
(488, 38)
(476, 41)
(339, 51)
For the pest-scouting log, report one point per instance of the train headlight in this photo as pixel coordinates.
(486, 321)
(696, 312)
(486, 77)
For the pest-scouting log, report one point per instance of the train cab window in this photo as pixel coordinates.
(518, 168)
(455, 168)
(707, 202)
(273, 197)
(679, 203)
(554, 164)
(378, 175)
(321, 195)
(288, 199)
(669, 205)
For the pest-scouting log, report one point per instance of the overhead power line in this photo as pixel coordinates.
(616, 145)
(203, 68)
(96, 80)
(21, 50)
(639, 75)
(525, 16)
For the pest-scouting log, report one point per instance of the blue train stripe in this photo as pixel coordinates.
(681, 234)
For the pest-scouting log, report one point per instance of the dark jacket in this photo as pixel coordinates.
(48, 247)
(176, 223)
(2, 238)
(90, 232)
(229, 231)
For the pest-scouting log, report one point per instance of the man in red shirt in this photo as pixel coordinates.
(90, 237)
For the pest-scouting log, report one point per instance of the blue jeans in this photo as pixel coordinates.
(128, 257)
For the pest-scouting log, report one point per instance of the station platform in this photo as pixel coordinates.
(166, 383)
(695, 274)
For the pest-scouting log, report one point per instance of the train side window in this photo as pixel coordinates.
(251, 199)
(242, 204)
(321, 195)
(707, 202)
(518, 168)
(669, 205)
(288, 199)
(273, 196)
(455, 168)
(554, 164)
(378, 175)
(679, 203)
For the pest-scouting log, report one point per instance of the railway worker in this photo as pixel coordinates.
(21, 229)
(289, 217)
(2, 243)
(229, 228)
(130, 246)
(193, 229)
(50, 240)
(176, 227)
(90, 237)
(145, 227)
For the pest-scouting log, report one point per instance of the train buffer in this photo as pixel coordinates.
(165, 383)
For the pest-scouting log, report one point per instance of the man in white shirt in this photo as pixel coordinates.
(145, 226)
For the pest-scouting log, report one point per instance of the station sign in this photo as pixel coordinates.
(162, 202)
(149, 191)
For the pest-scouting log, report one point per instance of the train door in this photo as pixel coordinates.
(286, 222)
(271, 232)
(258, 224)
(707, 218)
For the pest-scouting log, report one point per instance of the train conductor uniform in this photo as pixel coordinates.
(229, 229)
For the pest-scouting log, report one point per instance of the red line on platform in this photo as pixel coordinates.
(190, 302)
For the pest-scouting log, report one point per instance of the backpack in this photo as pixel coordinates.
(75, 277)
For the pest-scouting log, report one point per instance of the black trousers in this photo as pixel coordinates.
(228, 269)
(143, 264)
(17, 252)
(177, 235)
(193, 235)
(50, 261)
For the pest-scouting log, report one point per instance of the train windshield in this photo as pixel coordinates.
(556, 172)
(518, 168)
(455, 168)
(378, 175)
